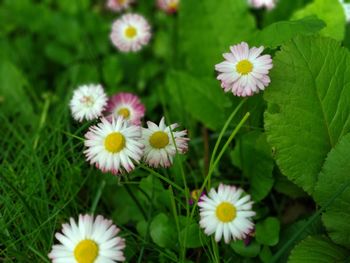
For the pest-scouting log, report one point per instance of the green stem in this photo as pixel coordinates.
(162, 178)
(227, 123)
(97, 196)
(133, 197)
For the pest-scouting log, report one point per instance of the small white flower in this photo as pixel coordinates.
(226, 213)
(269, 4)
(159, 144)
(244, 71)
(346, 7)
(130, 33)
(89, 241)
(88, 102)
(118, 5)
(114, 146)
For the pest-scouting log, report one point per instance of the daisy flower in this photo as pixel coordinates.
(226, 213)
(118, 5)
(159, 144)
(126, 105)
(114, 146)
(346, 6)
(130, 33)
(169, 6)
(88, 102)
(269, 4)
(92, 240)
(244, 71)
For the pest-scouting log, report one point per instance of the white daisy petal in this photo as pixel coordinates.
(269, 4)
(161, 142)
(118, 145)
(88, 102)
(99, 243)
(244, 71)
(228, 218)
(130, 33)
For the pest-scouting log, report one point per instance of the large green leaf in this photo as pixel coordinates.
(207, 29)
(308, 105)
(329, 11)
(335, 176)
(278, 33)
(202, 98)
(317, 249)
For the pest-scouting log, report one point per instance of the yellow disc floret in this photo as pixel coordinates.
(159, 140)
(244, 67)
(86, 251)
(130, 32)
(124, 112)
(115, 142)
(226, 212)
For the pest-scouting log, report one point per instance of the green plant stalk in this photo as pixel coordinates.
(223, 130)
(97, 196)
(286, 246)
(174, 210)
(212, 167)
(42, 120)
(127, 188)
(44, 258)
(162, 178)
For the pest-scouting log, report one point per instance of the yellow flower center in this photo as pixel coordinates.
(159, 140)
(88, 101)
(226, 212)
(244, 67)
(115, 142)
(121, 2)
(172, 5)
(86, 251)
(124, 112)
(130, 32)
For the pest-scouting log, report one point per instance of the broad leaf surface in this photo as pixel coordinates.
(334, 176)
(331, 12)
(308, 105)
(317, 249)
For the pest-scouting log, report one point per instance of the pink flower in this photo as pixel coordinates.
(126, 105)
(118, 5)
(169, 6)
(244, 71)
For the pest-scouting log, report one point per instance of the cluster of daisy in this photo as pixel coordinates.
(118, 141)
(131, 32)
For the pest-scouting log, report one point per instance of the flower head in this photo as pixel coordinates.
(126, 105)
(114, 146)
(130, 33)
(169, 6)
(346, 6)
(244, 71)
(226, 213)
(196, 196)
(269, 4)
(88, 102)
(118, 5)
(91, 240)
(160, 148)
